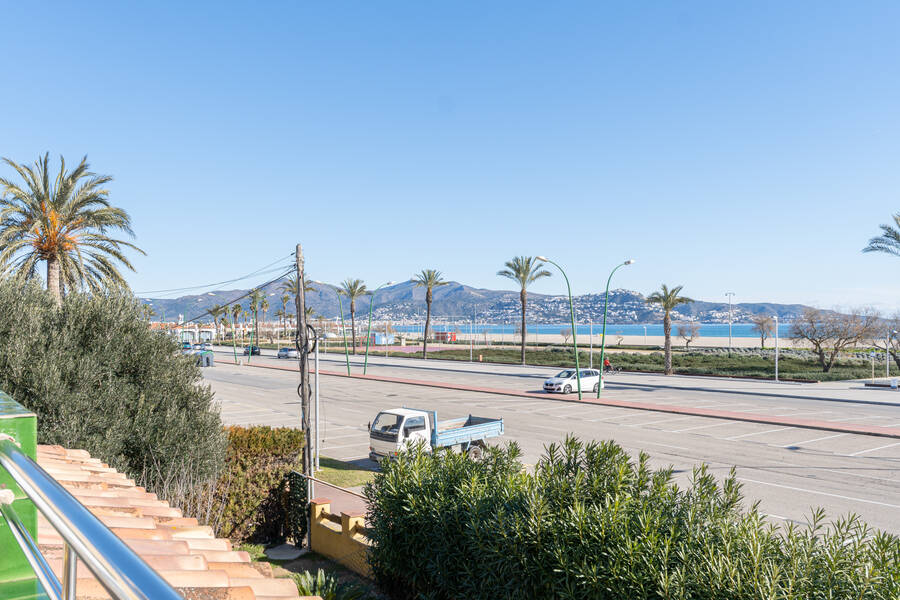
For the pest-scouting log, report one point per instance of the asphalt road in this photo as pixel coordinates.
(789, 470)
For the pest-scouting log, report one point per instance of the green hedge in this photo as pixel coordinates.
(592, 523)
(260, 500)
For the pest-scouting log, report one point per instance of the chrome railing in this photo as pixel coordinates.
(123, 574)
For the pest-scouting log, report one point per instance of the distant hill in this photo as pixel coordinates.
(404, 301)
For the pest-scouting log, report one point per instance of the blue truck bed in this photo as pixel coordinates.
(464, 430)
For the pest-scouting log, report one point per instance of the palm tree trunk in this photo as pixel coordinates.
(667, 347)
(53, 280)
(524, 298)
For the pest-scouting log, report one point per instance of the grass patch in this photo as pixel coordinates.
(343, 474)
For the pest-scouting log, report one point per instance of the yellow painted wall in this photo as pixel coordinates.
(344, 543)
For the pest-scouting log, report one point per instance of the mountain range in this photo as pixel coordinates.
(456, 301)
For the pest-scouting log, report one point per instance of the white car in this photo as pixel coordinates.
(566, 381)
(287, 353)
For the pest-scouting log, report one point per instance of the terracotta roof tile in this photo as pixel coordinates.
(185, 553)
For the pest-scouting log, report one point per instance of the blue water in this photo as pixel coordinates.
(655, 329)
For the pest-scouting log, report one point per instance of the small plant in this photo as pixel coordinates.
(327, 586)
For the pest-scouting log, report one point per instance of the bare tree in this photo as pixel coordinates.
(688, 332)
(764, 326)
(566, 333)
(830, 332)
(619, 338)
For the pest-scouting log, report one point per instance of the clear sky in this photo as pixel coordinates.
(747, 147)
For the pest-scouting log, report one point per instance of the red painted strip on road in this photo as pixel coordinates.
(875, 430)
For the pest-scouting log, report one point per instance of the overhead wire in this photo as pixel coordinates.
(292, 269)
(259, 271)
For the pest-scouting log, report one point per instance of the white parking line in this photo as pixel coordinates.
(703, 427)
(337, 437)
(661, 421)
(799, 489)
(325, 449)
(736, 437)
(625, 416)
(818, 439)
(874, 449)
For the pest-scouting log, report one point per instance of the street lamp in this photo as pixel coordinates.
(605, 307)
(730, 296)
(887, 354)
(776, 347)
(369, 333)
(572, 313)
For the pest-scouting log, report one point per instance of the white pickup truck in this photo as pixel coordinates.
(398, 428)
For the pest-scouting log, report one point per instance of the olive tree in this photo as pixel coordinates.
(99, 379)
(830, 332)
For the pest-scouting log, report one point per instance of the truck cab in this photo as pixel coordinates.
(397, 428)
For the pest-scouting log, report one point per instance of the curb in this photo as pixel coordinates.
(873, 430)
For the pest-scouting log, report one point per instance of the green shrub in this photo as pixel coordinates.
(327, 586)
(592, 523)
(256, 498)
(99, 379)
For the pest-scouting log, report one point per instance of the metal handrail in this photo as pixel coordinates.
(123, 574)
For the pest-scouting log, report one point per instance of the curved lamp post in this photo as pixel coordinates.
(605, 307)
(369, 332)
(572, 312)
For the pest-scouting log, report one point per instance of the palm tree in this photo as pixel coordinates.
(285, 298)
(889, 240)
(256, 297)
(353, 289)
(64, 221)
(428, 279)
(264, 307)
(524, 270)
(215, 312)
(667, 300)
(235, 312)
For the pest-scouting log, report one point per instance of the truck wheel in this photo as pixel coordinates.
(476, 452)
(567, 389)
(596, 387)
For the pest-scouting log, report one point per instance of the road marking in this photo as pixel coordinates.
(550, 428)
(874, 449)
(798, 489)
(703, 427)
(625, 416)
(818, 439)
(857, 474)
(665, 445)
(339, 447)
(661, 421)
(736, 437)
(337, 437)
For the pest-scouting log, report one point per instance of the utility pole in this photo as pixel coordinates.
(303, 343)
(730, 296)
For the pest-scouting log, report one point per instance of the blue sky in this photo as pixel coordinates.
(745, 147)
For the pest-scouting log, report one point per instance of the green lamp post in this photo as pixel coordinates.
(605, 307)
(344, 331)
(369, 332)
(572, 312)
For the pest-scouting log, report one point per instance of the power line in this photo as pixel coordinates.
(234, 300)
(209, 285)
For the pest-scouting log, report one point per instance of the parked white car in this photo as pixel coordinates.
(566, 381)
(287, 353)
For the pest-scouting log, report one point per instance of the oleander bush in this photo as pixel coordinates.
(99, 379)
(590, 522)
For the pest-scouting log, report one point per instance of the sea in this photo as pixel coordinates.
(743, 330)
